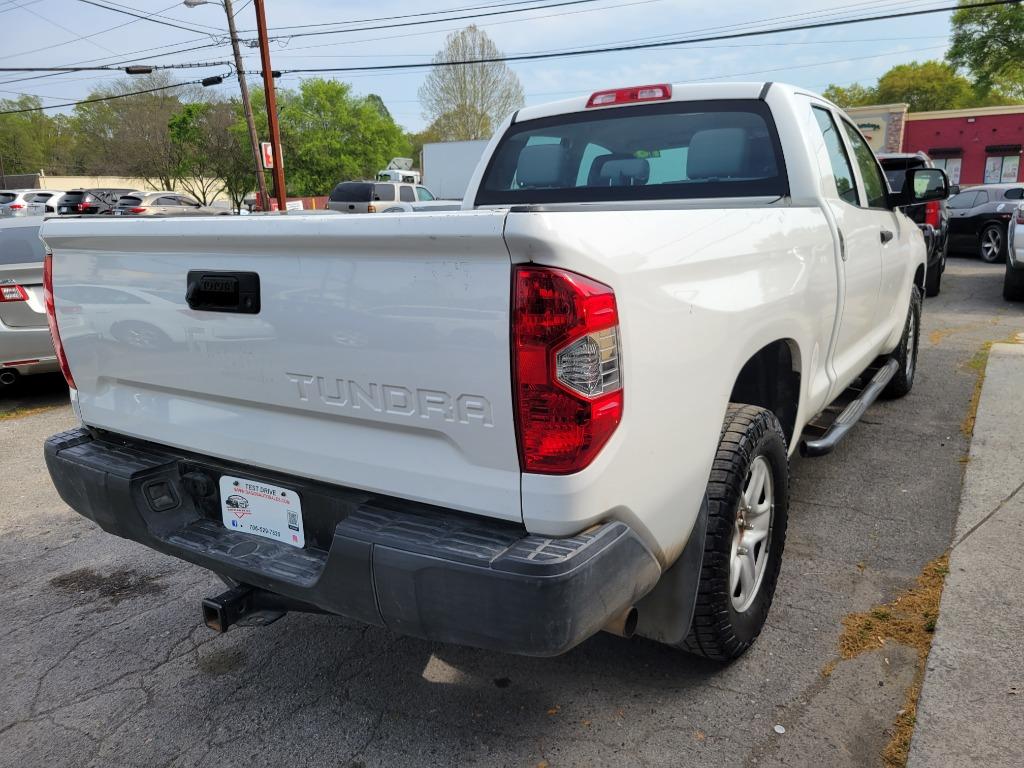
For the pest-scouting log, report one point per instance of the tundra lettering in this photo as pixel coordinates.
(397, 400)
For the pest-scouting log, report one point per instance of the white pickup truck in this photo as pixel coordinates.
(568, 407)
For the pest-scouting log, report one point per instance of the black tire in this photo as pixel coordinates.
(906, 353)
(721, 630)
(992, 243)
(1013, 283)
(933, 283)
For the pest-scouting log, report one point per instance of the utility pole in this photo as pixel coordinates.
(254, 140)
(261, 179)
(271, 99)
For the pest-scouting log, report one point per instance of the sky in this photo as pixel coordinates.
(50, 33)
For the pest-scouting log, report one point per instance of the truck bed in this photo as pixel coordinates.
(378, 359)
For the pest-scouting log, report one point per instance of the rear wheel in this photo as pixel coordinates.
(748, 507)
(906, 352)
(1013, 283)
(992, 244)
(933, 283)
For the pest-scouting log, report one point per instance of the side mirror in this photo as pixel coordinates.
(923, 185)
(954, 190)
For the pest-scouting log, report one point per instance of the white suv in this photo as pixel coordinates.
(373, 196)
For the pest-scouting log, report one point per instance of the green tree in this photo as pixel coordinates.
(26, 139)
(130, 136)
(855, 95)
(927, 86)
(989, 43)
(330, 135)
(468, 101)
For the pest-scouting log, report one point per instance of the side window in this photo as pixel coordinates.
(405, 194)
(424, 194)
(982, 198)
(184, 200)
(1014, 194)
(874, 181)
(166, 201)
(837, 157)
(963, 200)
(384, 192)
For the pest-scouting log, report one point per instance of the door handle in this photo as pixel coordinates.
(886, 236)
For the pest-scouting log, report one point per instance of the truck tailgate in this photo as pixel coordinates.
(379, 358)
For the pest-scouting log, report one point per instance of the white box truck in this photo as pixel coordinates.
(448, 166)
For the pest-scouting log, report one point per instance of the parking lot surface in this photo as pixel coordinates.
(106, 663)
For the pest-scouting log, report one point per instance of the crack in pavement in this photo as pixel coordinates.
(988, 516)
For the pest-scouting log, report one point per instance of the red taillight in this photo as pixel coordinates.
(137, 210)
(630, 95)
(51, 316)
(567, 382)
(15, 206)
(931, 213)
(12, 292)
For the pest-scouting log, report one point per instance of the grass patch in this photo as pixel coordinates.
(19, 413)
(908, 620)
(977, 364)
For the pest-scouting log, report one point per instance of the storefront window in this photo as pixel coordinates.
(1002, 169)
(951, 165)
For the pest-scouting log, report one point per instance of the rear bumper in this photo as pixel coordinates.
(27, 350)
(415, 569)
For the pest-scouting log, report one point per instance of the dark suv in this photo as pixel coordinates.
(932, 218)
(90, 201)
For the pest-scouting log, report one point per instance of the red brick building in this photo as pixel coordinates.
(975, 146)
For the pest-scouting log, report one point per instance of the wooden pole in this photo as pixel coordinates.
(280, 190)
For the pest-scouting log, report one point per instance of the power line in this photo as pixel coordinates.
(661, 44)
(86, 37)
(413, 15)
(111, 68)
(821, 13)
(125, 61)
(144, 18)
(102, 98)
(559, 4)
(215, 28)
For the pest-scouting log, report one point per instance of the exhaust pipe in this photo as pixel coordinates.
(8, 377)
(623, 623)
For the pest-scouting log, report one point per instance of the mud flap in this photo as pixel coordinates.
(666, 613)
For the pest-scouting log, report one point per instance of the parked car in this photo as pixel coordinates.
(24, 202)
(590, 426)
(978, 219)
(1013, 279)
(372, 196)
(163, 204)
(90, 201)
(25, 345)
(933, 217)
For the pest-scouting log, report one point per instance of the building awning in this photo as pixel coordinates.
(945, 152)
(1003, 149)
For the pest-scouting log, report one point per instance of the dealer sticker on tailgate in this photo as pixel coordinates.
(264, 510)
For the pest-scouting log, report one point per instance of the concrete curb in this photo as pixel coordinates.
(971, 708)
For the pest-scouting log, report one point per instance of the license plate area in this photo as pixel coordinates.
(261, 509)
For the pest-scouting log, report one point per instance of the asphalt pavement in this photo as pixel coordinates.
(105, 661)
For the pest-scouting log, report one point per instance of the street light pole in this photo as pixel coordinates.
(261, 180)
(271, 99)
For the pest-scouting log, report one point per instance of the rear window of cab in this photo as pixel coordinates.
(671, 150)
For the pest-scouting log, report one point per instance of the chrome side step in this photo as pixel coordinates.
(851, 414)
